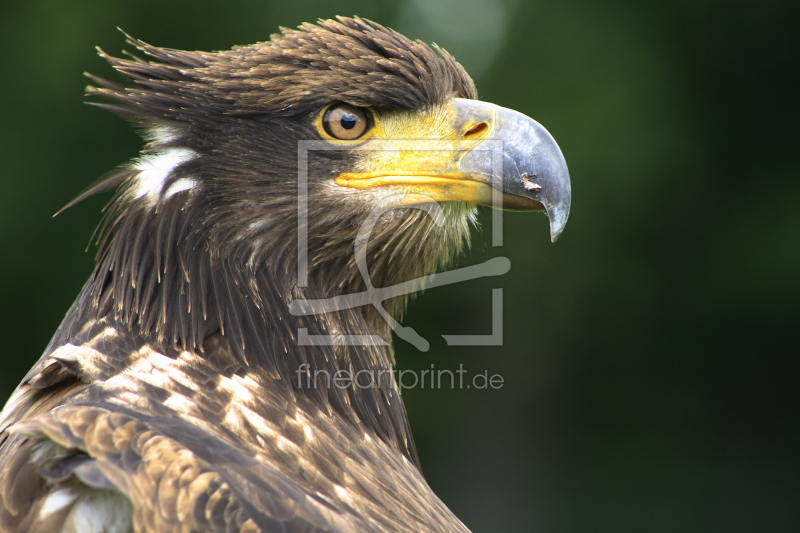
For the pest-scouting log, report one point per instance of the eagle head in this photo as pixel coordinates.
(265, 164)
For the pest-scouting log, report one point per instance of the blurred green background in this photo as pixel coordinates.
(650, 357)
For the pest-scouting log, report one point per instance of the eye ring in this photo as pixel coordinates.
(346, 122)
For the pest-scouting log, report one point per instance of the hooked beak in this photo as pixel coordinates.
(491, 153)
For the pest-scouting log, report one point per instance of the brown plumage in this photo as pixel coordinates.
(361, 63)
(170, 398)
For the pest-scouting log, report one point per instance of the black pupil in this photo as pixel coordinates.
(348, 121)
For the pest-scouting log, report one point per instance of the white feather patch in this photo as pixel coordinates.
(183, 184)
(154, 170)
(55, 501)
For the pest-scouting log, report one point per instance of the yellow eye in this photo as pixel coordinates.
(346, 122)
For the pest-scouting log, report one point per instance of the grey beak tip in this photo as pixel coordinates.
(542, 158)
(558, 219)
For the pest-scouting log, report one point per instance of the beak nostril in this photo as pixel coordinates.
(476, 130)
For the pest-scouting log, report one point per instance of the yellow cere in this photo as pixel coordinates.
(418, 154)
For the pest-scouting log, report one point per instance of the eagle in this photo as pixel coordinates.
(176, 395)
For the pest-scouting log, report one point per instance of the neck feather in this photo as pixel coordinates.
(176, 278)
